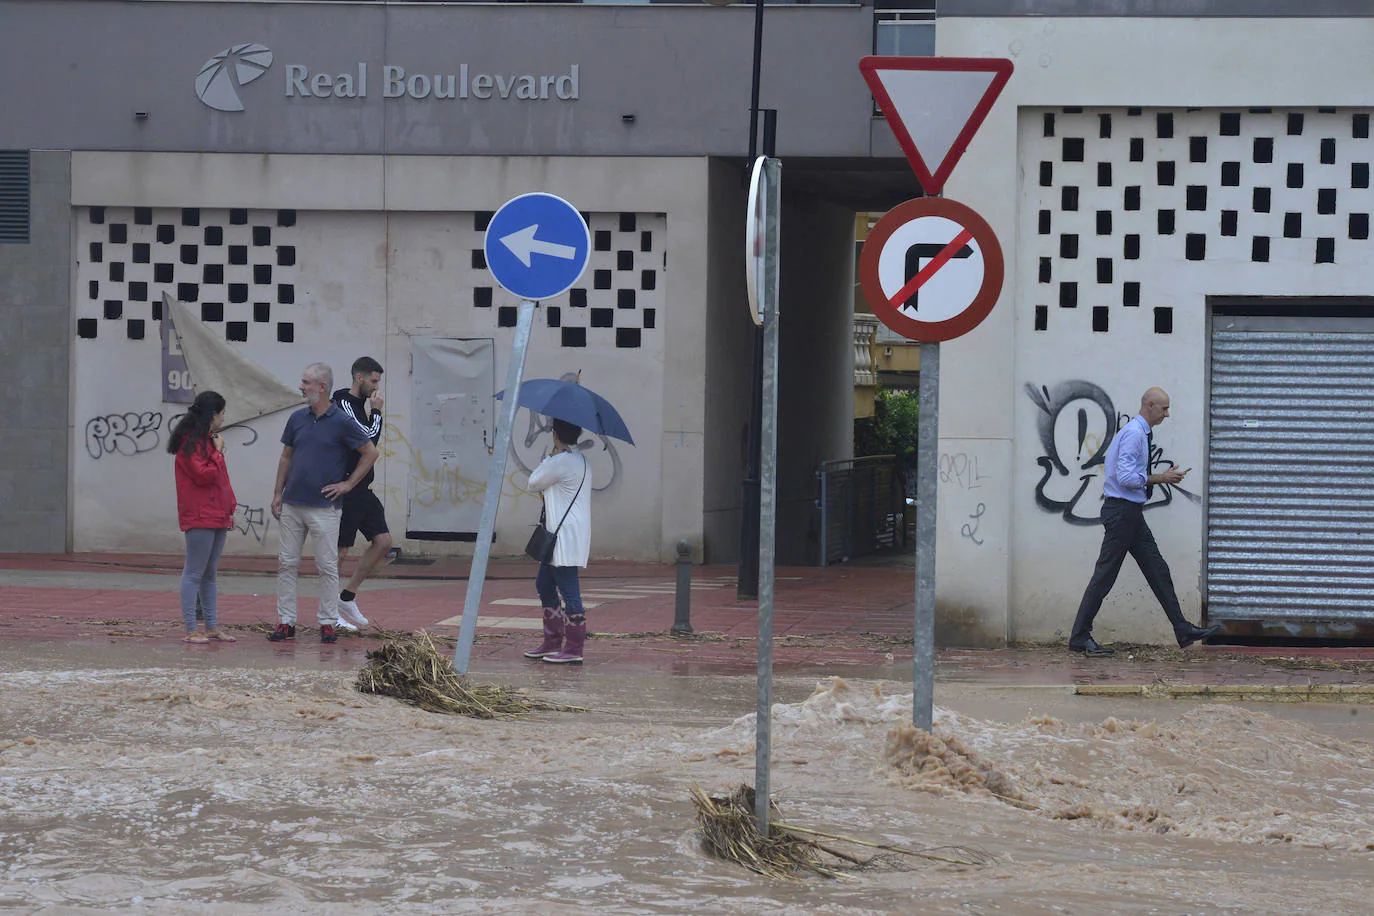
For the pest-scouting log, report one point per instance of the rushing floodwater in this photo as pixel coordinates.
(158, 784)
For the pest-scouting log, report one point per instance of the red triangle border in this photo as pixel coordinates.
(933, 182)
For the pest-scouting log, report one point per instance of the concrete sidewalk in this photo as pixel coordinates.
(854, 620)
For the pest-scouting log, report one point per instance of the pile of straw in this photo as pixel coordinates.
(730, 831)
(411, 669)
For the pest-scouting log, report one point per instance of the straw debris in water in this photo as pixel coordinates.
(730, 831)
(411, 669)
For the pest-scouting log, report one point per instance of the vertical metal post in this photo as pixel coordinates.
(747, 585)
(682, 610)
(496, 477)
(754, 85)
(927, 476)
(768, 503)
(825, 521)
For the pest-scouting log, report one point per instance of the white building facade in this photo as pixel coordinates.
(1182, 202)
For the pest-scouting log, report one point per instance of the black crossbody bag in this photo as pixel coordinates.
(542, 540)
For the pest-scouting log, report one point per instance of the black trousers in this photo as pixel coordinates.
(1125, 531)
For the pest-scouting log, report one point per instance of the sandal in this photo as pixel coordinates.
(195, 638)
(218, 636)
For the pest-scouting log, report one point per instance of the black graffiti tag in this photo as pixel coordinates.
(254, 522)
(127, 433)
(1076, 424)
(970, 528)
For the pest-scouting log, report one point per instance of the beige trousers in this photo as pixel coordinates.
(296, 523)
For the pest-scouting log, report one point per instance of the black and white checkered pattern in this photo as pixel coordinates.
(237, 267)
(618, 300)
(1111, 197)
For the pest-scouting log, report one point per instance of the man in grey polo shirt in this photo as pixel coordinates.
(311, 477)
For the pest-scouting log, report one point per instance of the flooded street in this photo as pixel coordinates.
(161, 781)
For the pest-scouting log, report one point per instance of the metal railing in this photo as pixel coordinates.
(862, 505)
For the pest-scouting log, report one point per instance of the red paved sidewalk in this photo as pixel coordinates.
(846, 616)
(844, 619)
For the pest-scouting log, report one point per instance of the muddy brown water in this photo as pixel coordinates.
(155, 781)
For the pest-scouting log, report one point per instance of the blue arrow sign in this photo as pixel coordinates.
(537, 245)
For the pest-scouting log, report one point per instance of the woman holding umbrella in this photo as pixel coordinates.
(562, 479)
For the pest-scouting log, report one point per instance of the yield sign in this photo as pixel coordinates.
(935, 105)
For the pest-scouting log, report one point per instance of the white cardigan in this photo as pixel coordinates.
(558, 477)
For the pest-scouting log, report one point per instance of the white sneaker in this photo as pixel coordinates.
(344, 625)
(350, 616)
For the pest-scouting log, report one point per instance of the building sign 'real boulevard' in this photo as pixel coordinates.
(222, 78)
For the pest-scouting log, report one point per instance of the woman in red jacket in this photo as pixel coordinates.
(205, 505)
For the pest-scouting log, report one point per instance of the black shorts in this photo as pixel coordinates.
(362, 511)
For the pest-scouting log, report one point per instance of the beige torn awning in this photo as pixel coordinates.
(249, 390)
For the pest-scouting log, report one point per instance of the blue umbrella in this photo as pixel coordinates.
(570, 402)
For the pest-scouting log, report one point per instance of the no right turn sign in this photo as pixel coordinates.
(931, 269)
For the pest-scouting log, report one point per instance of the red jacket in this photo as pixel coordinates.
(204, 497)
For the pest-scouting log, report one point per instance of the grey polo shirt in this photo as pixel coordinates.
(320, 446)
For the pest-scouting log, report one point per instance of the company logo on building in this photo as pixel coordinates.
(218, 82)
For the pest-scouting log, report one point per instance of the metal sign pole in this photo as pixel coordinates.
(768, 504)
(496, 477)
(927, 476)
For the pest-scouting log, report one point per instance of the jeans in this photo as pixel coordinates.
(323, 524)
(1125, 531)
(554, 579)
(203, 549)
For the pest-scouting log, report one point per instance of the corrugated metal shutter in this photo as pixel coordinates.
(1290, 513)
(14, 196)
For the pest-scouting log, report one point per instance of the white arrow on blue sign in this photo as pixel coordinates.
(537, 245)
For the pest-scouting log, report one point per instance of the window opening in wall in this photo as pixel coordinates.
(904, 28)
(14, 196)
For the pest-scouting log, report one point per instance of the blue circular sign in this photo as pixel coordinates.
(537, 245)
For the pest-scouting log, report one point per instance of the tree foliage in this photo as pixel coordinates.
(892, 428)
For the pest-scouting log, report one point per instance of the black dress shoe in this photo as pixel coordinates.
(1197, 634)
(1091, 648)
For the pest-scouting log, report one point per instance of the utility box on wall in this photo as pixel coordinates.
(451, 435)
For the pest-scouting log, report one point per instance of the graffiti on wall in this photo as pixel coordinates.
(252, 521)
(1076, 424)
(961, 474)
(137, 432)
(128, 433)
(536, 442)
(970, 528)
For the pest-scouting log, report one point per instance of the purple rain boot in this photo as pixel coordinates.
(574, 635)
(553, 634)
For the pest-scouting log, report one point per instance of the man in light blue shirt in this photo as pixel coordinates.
(1127, 485)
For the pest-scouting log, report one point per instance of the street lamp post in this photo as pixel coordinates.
(747, 586)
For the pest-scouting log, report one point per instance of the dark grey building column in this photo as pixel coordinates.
(35, 349)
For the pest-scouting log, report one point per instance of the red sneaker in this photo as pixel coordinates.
(328, 633)
(283, 631)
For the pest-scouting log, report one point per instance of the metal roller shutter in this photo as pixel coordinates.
(1290, 483)
(14, 196)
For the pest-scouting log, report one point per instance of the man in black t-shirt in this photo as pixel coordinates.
(362, 510)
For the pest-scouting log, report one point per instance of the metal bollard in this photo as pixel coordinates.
(683, 613)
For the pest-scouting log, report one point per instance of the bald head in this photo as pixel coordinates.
(1154, 405)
